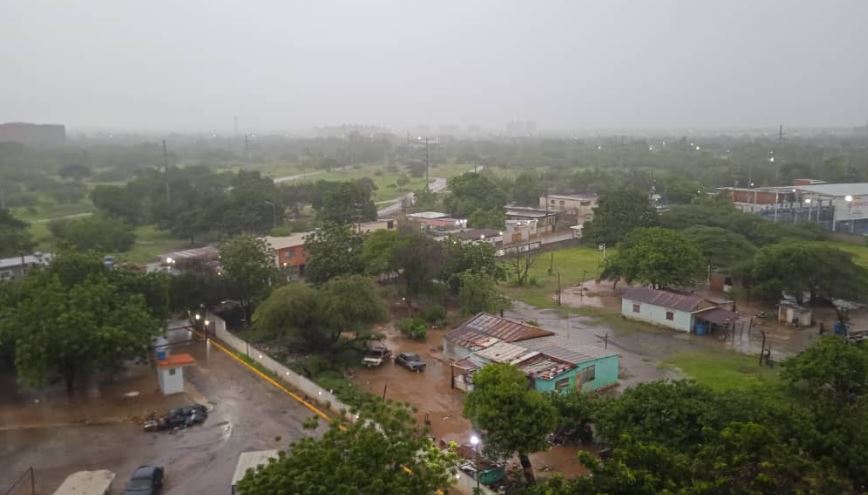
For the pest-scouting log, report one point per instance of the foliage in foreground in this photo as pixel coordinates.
(385, 451)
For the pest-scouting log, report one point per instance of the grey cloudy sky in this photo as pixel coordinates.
(283, 65)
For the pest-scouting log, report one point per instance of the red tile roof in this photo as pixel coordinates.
(662, 298)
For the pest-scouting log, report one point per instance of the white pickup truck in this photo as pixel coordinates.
(376, 354)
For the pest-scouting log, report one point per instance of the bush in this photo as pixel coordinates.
(299, 226)
(434, 314)
(413, 328)
(280, 231)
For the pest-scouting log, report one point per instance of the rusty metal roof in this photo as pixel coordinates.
(718, 316)
(575, 353)
(544, 367)
(471, 339)
(665, 299)
(501, 328)
(504, 352)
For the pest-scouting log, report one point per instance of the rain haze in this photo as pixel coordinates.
(279, 65)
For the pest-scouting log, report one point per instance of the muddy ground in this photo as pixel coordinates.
(58, 436)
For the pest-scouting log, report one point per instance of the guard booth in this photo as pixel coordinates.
(170, 367)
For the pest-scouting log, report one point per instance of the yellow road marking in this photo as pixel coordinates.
(269, 379)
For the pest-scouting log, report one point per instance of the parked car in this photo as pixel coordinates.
(147, 480)
(376, 354)
(411, 361)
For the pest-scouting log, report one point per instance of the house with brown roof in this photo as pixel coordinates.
(483, 331)
(685, 312)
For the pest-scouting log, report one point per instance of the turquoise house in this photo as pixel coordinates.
(559, 369)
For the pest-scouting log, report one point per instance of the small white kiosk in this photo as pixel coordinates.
(170, 368)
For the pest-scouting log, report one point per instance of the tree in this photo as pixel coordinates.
(527, 189)
(418, 259)
(575, 415)
(722, 248)
(352, 304)
(831, 368)
(493, 219)
(334, 250)
(378, 251)
(249, 269)
(472, 191)
(116, 201)
(822, 273)
(344, 203)
(479, 293)
(512, 417)
(656, 256)
(74, 171)
(94, 233)
(476, 257)
(15, 239)
(76, 317)
(382, 452)
(618, 213)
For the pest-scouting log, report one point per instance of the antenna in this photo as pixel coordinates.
(166, 174)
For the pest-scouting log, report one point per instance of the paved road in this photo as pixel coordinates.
(248, 414)
(436, 184)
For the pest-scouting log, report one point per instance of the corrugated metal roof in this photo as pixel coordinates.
(839, 190)
(501, 328)
(503, 352)
(202, 252)
(718, 316)
(471, 339)
(543, 367)
(575, 354)
(662, 298)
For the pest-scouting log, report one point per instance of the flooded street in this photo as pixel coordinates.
(105, 433)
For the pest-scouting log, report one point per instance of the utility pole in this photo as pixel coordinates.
(780, 148)
(621, 153)
(246, 148)
(166, 173)
(427, 163)
(235, 126)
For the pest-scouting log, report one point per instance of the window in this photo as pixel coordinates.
(670, 315)
(635, 308)
(562, 202)
(552, 201)
(562, 384)
(588, 374)
(172, 371)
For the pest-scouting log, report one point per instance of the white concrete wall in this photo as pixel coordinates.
(171, 384)
(656, 315)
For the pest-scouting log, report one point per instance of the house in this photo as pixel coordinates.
(521, 231)
(491, 236)
(548, 365)
(379, 224)
(580, 205)
(18, 266)
(187, 258)
(289, 252)
(684, 312)
(545, 219)
(483, 331)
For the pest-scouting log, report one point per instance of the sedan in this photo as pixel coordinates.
(147, 480)
(411, 361)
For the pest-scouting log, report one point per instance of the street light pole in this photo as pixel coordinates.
(273, 213)
(474, 440)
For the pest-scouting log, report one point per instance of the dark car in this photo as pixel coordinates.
(411, 361)
(147, 480)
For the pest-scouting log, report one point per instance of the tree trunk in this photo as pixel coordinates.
(69, 378)
(527, 468)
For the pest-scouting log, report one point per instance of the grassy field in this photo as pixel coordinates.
(860, 252)
(150, 243)
(574, 264)
(722, 370)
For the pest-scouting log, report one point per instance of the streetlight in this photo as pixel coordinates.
(474, 440)
(273, 213)
(206, 323)
(848, 198)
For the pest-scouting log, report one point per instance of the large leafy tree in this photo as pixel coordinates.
(249, 269)
(512, 417)
(15, 239)
(479, 293)
(385, 451)
(619, 212)
(471, 192)
(830, 369)
(822, 273)
(77, 316)
(334, 250)
(344, 202)
(476, 257)
(378, 251)
(95, 233)
(656, 256)
(722, 248)
(527, 189)
(419, 259)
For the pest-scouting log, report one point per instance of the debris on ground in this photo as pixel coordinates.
(176, 419)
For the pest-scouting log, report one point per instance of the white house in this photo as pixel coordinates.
(659, 307)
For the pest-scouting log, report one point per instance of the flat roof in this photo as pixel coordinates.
(29, 259)
(286, 241)
(248, 460)
(176, 360)
(428, 215)
(580, 197)
(86, 482)
(837, 190)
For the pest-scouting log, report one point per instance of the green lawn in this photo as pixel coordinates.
(150, 243)
(722, 370)
(574, 265)
(860, 252)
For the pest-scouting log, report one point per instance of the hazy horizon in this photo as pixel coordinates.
(284, 66)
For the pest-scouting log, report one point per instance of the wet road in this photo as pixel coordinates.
(248, 414)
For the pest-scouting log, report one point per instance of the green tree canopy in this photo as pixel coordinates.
(656, 256)
(77, 316)
(94, 233)
(527, 189)
(383, 452)
(479, 293)
(619, 212)
(249, 269)
(15, 239)
(344, 202)
(471, 192)
(512, 418)
(334, 250)
(492, 219)
(722, 248)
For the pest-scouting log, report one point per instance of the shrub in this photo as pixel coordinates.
(414, 328)
(434, 314)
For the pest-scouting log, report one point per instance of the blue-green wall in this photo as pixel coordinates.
(606, 374)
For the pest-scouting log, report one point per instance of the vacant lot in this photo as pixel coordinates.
(574, 265)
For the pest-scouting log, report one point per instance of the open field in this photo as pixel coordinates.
(574, 264)
(722, 370)
(859, 251)
(150, 243)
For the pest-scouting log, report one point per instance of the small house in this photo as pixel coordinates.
(790, 313)
(483, 331)
(683, 312)
(170, 372)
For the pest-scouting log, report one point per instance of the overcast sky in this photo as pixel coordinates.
(284, 65)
